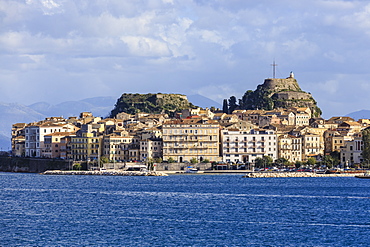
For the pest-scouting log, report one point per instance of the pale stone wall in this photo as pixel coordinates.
(278, 85)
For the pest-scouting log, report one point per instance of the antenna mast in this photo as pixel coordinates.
(273, 69)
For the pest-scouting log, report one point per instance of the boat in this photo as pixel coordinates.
(366, 175)
(191, 169)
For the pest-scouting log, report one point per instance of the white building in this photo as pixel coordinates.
(245, 147)
(350, 154)
(151, 148)
(34, 136)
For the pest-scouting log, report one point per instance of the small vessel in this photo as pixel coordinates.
(191, 169)
(366, 175)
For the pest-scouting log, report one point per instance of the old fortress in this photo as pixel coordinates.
(197, 134)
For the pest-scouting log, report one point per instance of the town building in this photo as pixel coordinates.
(351, 152)
(290, 147)
(245, 147)
(186, 139)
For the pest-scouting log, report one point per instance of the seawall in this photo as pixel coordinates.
(32, 165)
(295, 175)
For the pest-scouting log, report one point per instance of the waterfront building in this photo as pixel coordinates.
(244, 147)
(18, 135)
(18, 146)
(151, 148)
(290, 147)
(116, 147)
(311, 146)
(350, 152)
(53, 145)
(334, 140)
(85, 146)
(34, 133)
(191, 138)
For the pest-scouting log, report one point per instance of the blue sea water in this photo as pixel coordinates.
(183, 210)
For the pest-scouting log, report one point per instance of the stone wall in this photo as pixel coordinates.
(289, 95)
(15, 164)
(278, 85)
(181, 166)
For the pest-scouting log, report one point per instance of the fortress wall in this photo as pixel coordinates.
(281, 84)
(289, 95)
(162, 96)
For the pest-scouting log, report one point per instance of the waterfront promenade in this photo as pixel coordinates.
(296, 175)
(105, 173)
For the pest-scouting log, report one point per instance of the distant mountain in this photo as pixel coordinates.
(203, 102)
(98, 106)
(4, 143)
(14, 113)
(359, 114)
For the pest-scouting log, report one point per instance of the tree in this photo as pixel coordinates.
(77, 166)
(246, 102)
(150, 164)
(298, 164)
(259, 162)
(104, 160)
(328, 160)
(193, 160)
(232, 104)
(311, 161)
(265, 161)
(225, 108)
(158, 160)
(282, 162)
(366, 141)
(171, 160)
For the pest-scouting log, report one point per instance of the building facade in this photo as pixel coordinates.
(245, 147)
(186, 139)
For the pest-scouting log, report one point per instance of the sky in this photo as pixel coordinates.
(61, 50)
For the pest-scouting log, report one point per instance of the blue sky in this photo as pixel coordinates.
(63, 50)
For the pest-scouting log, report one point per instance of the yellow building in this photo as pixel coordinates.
(116, 147)
(290, 148)
(87, 146)
(311, 146)
(186, 139)
(53, 144)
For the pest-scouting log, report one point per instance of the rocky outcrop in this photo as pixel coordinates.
(279, 93)
(151, 103)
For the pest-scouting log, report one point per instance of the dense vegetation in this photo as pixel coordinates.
(265, 99)
(151, 103)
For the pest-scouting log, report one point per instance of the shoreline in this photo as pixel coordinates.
(104, 173)
(297, 175)
(246, 174)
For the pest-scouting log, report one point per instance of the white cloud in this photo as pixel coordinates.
(330, 87)
(214, 48)
(142, 46)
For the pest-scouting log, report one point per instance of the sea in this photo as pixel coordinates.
(183, 210)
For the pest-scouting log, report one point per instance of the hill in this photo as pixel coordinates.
(99, 106)
(276, 93)
(362, 114)
(151, 103)
(203, 102)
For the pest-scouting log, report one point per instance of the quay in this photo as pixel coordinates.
(106, 173)
(295, 175)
